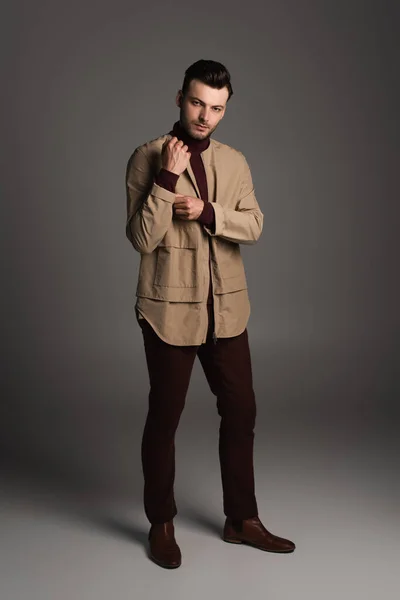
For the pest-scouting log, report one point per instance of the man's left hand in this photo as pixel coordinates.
(187, 207)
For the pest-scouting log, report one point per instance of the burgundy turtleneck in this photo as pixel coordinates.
(167, 180)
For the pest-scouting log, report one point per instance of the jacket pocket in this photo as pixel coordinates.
(229, 259)
(176, 266)
(229, 269)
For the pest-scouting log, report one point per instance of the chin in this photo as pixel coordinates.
(198, 134)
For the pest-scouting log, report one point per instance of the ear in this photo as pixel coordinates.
(179, 97)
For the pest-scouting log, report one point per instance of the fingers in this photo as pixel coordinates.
(176, 144)
(181, 204)
(184, 200)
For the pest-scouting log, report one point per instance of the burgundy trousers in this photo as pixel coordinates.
(227, 367)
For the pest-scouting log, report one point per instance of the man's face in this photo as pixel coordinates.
(202, 108)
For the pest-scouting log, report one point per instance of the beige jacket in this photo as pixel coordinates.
(174, 272)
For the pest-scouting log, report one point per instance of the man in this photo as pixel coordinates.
(190, 204)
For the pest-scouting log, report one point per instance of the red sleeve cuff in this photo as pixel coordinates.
(167, 180)
(207, 217)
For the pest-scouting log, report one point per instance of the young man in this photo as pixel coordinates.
(190, 204)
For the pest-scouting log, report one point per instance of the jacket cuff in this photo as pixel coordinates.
(167, 180)
(162, 193)
(207, 217)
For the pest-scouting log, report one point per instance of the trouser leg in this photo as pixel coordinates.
(227, 367)
(170, 368)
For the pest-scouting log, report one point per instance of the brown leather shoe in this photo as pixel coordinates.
(163, 547)
(252, 532)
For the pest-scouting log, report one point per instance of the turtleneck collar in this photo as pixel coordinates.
(194, 146)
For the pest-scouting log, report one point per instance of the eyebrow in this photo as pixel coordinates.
(201, 102)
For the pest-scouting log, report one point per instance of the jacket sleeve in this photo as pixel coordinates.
(149, 205)
(244, 223)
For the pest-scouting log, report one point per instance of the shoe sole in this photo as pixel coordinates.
(164, 565)
(234, 541)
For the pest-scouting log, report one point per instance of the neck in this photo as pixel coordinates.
(194, 146)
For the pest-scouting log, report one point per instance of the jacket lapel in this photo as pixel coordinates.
(192, 178)
(209, 158)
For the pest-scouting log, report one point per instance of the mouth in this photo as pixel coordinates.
(201, 127)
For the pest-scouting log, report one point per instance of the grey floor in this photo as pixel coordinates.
(329, 484)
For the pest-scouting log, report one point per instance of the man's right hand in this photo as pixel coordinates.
(175, 156)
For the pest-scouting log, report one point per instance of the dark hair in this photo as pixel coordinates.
(211, 73)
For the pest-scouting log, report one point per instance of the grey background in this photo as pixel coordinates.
(315, 111)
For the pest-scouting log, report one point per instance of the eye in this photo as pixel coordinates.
(218, 109)
(196, 102)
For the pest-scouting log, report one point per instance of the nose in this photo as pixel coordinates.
(204, 115)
